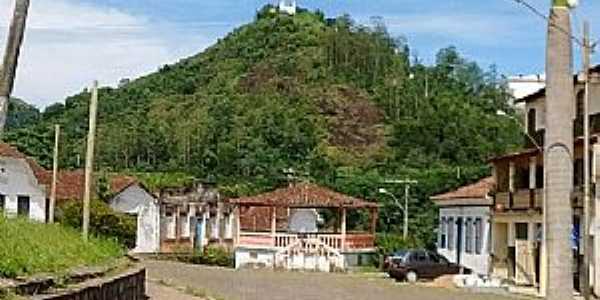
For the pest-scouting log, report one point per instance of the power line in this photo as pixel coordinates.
(538, 13)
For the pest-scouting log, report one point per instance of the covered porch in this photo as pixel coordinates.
(303, 226)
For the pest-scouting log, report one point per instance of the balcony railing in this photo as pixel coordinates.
(283, 240)
(531, 199)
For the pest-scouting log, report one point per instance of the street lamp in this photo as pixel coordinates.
(502, 113)
(403, 209)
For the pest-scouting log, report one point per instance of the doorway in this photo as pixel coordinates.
(459, 239)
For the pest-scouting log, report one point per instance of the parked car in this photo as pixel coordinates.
(413, 265)
(387, 260)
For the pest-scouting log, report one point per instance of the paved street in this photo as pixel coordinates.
(261, 285)
(157, 291)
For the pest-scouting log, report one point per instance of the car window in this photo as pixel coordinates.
(422, 256)
(438, 259)
(434, 257)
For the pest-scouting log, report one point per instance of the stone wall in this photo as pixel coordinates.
(127, 286)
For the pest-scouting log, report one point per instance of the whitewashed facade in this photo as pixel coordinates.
(135, 200)
(20, 192)
(464, 231)
(465, 236)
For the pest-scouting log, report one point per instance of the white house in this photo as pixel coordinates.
(134, 199)
(21, 192)
(464, 225)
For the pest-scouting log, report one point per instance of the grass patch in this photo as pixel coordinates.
(28, 248)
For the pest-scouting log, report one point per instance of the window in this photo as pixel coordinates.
(580, 102)
(531, 119)
(469, 236)
(2, 202)
(521, 231)
(443, 233)
(451, 234)
(478, 235)
(23, 206)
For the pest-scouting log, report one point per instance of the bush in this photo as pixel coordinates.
(104, 221)
(28, 248)
(212, 256)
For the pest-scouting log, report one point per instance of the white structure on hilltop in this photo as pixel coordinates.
(287, 6)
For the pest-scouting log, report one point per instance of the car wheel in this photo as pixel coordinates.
(412, 276)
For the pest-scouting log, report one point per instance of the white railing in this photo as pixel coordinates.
(283, 240)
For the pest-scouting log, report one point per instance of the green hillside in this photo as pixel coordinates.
(333, 99)
(21, 114)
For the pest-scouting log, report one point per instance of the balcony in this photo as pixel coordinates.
(531, 199)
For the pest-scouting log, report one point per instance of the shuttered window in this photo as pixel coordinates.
(469, 236)
(478, 235)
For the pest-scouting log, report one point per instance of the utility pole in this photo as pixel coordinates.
(587, 243)
(89, 160)
(558, 158)
(11, 57)
(54, 174)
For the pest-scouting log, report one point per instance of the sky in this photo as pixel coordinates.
(70, 43)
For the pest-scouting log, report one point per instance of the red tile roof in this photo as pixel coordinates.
(70, 184)
(478, 190)
(304, 195)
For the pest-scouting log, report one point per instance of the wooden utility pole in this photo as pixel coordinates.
(587, 243)
(89, 160)
(54, 174)
(558, 154)
(11, 57)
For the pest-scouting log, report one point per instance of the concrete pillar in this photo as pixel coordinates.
(343, 228)
(558, 160)
(218, 223)
(596, 216)
(511, 177)
(530, 251)
(532, 172)
(273, 221)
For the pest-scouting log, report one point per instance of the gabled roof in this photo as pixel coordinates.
(69, 184)
(478, 190)
(7, 150)
(304, 195)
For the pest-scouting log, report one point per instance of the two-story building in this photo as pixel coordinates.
(517, 229)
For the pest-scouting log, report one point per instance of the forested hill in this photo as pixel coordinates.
(344, 104)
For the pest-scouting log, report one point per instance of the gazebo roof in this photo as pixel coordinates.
(304, 195)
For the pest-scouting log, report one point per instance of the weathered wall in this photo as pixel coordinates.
(128, 286)
(17, 179)
(135, 200)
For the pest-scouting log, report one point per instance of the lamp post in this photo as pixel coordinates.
(404, 208)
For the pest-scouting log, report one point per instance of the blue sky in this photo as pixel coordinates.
(69, 43)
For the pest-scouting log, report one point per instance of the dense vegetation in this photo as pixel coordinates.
(104, 221)
(30, 248)
(343, 104)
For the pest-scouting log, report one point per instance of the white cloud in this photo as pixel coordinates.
(69, 44)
